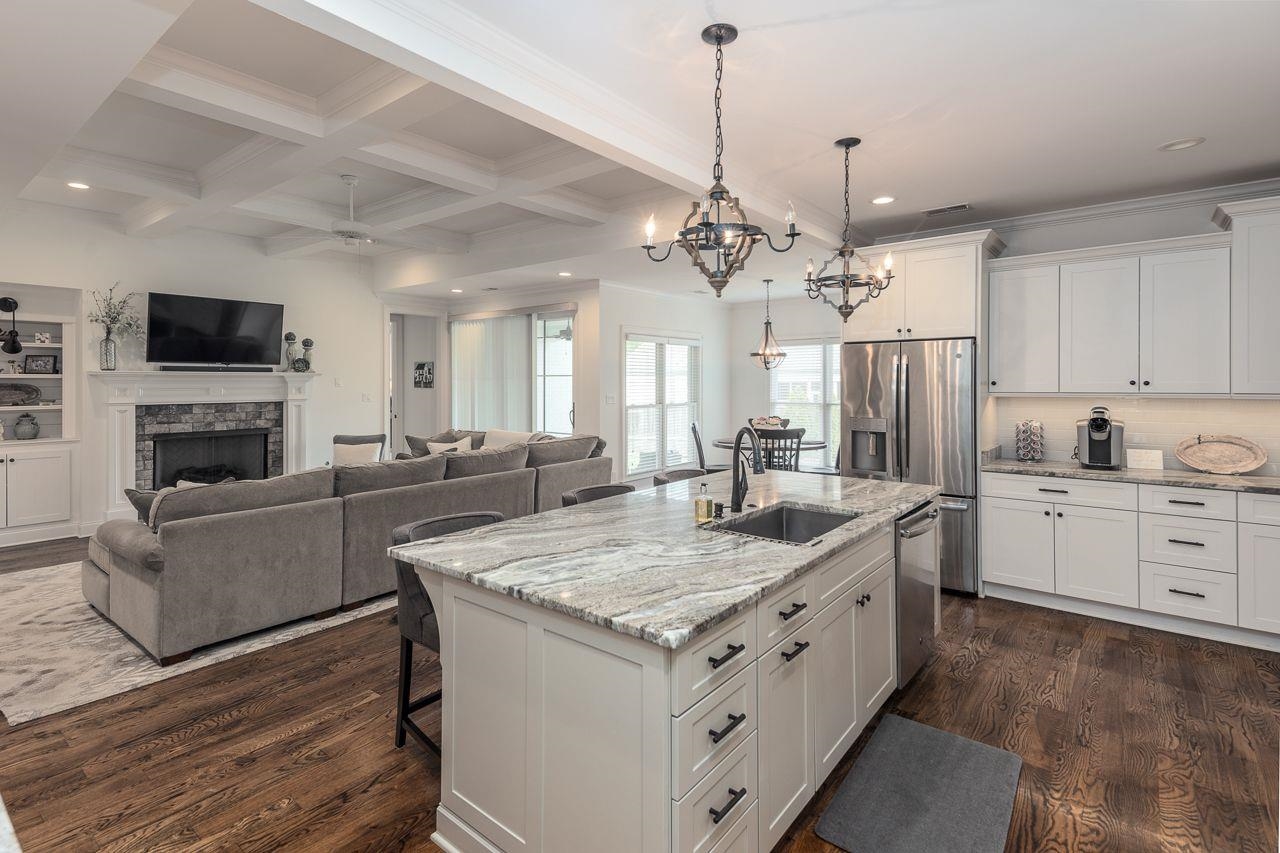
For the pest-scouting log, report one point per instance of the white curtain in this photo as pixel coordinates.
(492, 370)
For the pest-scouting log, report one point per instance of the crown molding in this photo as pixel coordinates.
(1225, 212)
(1116, 250)
(988, 239)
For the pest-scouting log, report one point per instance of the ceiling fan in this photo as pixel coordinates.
(349, 231)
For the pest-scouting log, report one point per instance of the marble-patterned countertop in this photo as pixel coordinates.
(8, 839)
(638, 564)
(1190, 479)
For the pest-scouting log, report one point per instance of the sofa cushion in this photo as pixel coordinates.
(418, 443)
(438, 447)
(131, 541)
(142, 499)
(553, 451)
(174, 504)
(353, 479)
(503, 437)
(487, 460)
(356, 454)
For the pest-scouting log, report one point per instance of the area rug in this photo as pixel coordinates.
(56, 652)
(916, 788)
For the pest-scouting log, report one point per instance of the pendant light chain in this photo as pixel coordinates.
(847, 219)
(717, 171)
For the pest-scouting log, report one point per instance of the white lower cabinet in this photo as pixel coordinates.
(1017, 543)
(1195, 593)
(37, 486)
(837, 719)
(876, 621)
(1259, 577)
(788, 689)
(1095, 552)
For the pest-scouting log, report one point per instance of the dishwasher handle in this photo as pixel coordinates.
(921, 528)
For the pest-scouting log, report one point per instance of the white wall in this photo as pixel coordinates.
(329, 301)
(420, 408)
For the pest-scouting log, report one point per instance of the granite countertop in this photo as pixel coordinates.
(1189, 479)
(8, 839)
(638, 564)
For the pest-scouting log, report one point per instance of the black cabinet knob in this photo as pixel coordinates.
(899, 331)
(1046, 512)
(1059, 515)
(1133, 382)
(908, 331)
(993, 382)
(1146, 382)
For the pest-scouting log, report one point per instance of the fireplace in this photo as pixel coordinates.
(209, 457)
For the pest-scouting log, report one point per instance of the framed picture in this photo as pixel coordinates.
(40, 364)
(424, 374)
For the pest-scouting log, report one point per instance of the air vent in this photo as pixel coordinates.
(943, 211)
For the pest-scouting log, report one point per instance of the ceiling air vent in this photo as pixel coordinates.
(943, 211)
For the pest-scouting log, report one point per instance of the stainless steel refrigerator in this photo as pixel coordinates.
(908, 414)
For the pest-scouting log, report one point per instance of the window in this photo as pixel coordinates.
(805, 388)
(553, 373)
(492, 365)
(662, 393)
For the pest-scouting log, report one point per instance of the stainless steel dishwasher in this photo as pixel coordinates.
(919, 597)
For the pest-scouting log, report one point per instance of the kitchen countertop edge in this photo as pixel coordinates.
(1142, 476)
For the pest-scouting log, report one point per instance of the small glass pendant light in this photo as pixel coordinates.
(768, 354)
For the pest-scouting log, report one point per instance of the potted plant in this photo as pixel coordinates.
(114, 315)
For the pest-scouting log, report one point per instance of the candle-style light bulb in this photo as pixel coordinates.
(880, 271)
(888, 261)
(808, 268)
(649, 228)
(790, 218)
(705, 204)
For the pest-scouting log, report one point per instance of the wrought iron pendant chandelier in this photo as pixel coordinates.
(716, 234)
(846, 279)
(768, 354)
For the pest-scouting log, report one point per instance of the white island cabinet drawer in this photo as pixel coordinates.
(712, 659)
(1193, 593)
(1259, 509)
(781, 612)
(743, 836)
(1197, 542)
(1194, 503)
(710, 730)
(841, 572)
(705, 815)
(1061, 490)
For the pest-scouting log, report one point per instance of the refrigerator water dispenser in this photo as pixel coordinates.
(869, 445)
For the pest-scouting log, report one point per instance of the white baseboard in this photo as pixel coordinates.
(454, 836)
(1142, 618)
(39, 533)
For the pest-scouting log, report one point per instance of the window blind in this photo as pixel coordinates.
(805, 389)
(662, 394)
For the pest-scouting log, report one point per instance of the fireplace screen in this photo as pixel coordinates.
(210, 457)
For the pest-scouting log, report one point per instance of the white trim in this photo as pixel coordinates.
(990, 241)
(569, 307)
(1116, 250)
(1223, 214)
(1143, 618)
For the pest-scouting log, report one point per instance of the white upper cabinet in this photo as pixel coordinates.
(942, 292)
(885, 317)
(1023, 330)
(1185, 327)
(1255, 302)
(1098, 325)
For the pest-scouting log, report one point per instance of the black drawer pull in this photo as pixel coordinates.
(1186, 542)
(1056, 491)
(1184, 592)
(795, 653)
(1186, 503)
(718, 815)
(733, 652)
(735, 720)
(794, 611)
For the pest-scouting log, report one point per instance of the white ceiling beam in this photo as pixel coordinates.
(565, 205)
(315, 219)
(298, 243)
(431, 161)
(292, 210)
(122, 174)
(61, 61)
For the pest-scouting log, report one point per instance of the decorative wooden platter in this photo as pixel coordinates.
(1220, 454)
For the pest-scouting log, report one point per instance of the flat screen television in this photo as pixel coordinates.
(201, 330)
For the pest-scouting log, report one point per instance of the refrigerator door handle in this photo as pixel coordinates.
(896, 425)
(904, 425)
(954, 507)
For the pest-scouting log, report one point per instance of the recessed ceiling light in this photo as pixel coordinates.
(1180, 144)
(564, 274)
(883, 199)
(455, 290)
(78, 185)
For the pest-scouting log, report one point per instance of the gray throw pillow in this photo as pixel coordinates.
(487, 460)
(142, 499)
(418, 443)
(375, 476)
(555, 450)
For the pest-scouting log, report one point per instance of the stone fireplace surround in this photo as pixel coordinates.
(182, 418)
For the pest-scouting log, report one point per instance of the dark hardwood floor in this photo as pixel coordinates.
(52, 553)
(1131, 740)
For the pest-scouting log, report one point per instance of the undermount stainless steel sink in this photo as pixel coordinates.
(786, 523)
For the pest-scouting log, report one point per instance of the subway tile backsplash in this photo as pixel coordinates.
(1149, 422)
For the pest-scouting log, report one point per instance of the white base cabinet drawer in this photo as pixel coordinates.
(1196, 542)
(702, 736)
(704, 816)
(831, 580)
(1194, 503)
(713, 659)
(1061, 490)
(1194, 593)
(1259, 509)
(1260, 577)
(743, 836)
(782, 612)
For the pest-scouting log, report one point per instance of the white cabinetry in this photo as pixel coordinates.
(1185, 322)
(37, 485)
(1255, 295)
(877, 640)
(1095, 551)
(1017, 543)
(885, 317)
(1023, 332)
(1098, 322)
(1259, 577)
(788, 693)
(837, 721)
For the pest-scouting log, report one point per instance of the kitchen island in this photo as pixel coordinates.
(617, 677)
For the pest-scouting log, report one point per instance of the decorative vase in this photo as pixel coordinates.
(26, 427)
(107, 352)
(307, 346)
(291, 349)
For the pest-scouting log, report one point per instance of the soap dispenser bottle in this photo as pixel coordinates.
(702, 506)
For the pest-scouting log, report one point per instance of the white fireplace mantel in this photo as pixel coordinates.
(121, 392)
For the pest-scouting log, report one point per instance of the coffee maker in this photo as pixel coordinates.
(1100, 440)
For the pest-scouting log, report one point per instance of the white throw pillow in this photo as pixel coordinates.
(434, 447)
(503, 437)
(356, 454)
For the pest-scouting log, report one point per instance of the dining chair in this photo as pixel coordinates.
(702, 457)
(677, 474)
(417, 617)
(586, 494)
(781, 448)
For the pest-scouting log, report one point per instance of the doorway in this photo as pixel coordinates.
(412, 393)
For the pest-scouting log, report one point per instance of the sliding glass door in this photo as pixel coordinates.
(553, 373)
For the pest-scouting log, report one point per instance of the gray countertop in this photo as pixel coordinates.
(638, 564)
(1190, 479)
(8, 839)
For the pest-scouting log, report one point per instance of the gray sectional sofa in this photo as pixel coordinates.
(212, 563)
